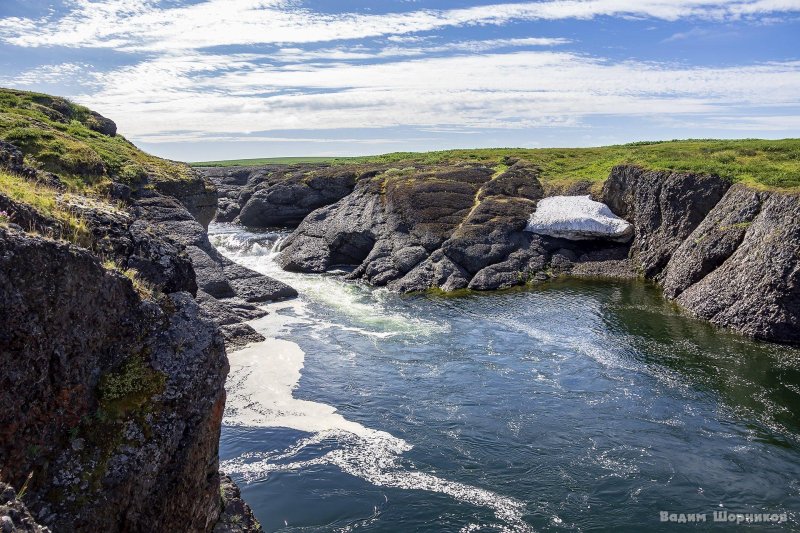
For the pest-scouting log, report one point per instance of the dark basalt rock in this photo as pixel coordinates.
(117, 236)
(237, 517)
(448, 227)
(254, 287)
(198, 196)
(285, 198)
(756, 288)
(144, 455)
(728, 254)
(217, 277)
(14, 515)
(664, 208)
(101, 124)
(13, 160)
(230, 183)
(714, 240)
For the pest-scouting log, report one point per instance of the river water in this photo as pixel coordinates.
(576, 405)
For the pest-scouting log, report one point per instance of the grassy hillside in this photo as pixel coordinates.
(75, 143)
(759, 163)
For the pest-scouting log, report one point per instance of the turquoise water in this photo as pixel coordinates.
(577, 405)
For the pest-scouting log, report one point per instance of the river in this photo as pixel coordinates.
(574, 405)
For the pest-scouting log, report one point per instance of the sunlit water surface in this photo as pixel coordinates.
(573, 406)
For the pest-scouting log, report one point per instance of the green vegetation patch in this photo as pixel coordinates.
(49, 203)
(755, 162)
(67, 139)
(130, 388)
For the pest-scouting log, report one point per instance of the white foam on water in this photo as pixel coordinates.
(264, 375)
(261, 385)
(361, 304)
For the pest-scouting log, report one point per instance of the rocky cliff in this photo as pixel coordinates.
(113, 402)
(115, 313)
(728, 254)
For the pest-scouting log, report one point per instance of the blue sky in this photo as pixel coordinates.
(220, 79)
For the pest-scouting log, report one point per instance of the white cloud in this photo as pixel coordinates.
(478, 84)
(196, 136)
(48, 74)
(226, 95)
(361, 52)
(144, 25)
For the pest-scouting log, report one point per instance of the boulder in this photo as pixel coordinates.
(286, 198)
(101, 124)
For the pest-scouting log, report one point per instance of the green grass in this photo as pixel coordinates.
(56, 135)
(759, 163)
(51, 203)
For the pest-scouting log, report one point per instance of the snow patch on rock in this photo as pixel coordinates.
(578, 218)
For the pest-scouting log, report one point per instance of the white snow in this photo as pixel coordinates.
(577, 218)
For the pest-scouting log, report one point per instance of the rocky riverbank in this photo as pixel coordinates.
(728, 254)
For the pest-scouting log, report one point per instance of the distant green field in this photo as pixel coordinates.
(773, 164)
(264, 161)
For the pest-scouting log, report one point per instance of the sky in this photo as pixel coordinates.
(199, 80)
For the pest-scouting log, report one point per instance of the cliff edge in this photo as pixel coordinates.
(114, 360)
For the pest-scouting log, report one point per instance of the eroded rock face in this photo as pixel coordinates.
(236, 517)
(727, 254)
(14, 515)
(198, 196)
(230, 181)
(750, 253)
(730, 255)
(228, 290)
(112, 404)
(578, 218)
(664, 208)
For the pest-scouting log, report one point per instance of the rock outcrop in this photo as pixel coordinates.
(664, 208)
(229, 292)
(236, 517)
(114, 362)
(14, 515)
(728, 254)
(197, 195)
(449, 227)
(278, 195)
(740, 268)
